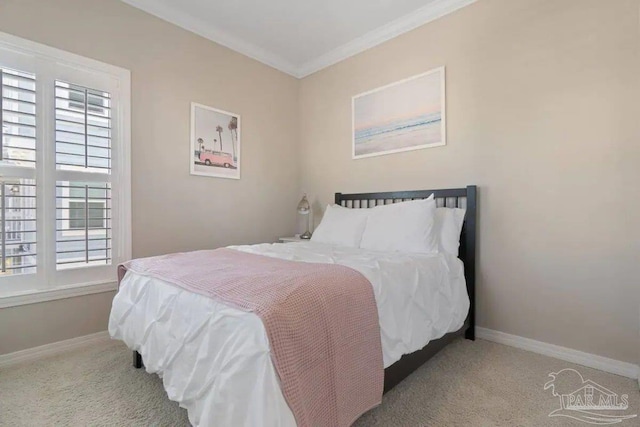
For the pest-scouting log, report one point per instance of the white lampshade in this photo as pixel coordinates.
(304, 207)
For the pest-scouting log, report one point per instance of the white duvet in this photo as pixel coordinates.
(215, 360)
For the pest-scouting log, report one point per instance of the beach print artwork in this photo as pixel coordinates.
(406, 115)
(215, 142)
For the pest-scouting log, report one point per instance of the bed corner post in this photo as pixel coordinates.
(470, 259)
(338, 198)
(137, 360)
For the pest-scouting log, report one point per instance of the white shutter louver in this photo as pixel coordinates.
(18, 217)
(83, 129)
(83, 164)
(83, 230)
(18, 116)
(17, 153)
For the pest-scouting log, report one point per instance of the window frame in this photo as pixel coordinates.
(51, 64)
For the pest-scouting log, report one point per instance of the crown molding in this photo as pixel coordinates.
(176, 16)
(432, 11)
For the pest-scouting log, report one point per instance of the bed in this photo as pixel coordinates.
(150, 318)
(455, 197)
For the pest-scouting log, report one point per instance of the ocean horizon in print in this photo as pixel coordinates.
(406, 115)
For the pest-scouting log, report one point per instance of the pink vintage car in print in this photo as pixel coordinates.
(217, 158)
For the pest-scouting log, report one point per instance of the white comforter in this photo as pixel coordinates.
(215, 360)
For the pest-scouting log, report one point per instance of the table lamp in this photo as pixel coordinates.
(304, 208)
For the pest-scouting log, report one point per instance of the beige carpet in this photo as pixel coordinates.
(467, 384)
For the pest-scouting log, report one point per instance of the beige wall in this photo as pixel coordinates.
(27, 326)
(172, 211)
(543, 115)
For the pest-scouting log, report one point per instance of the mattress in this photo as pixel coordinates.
(215, 360)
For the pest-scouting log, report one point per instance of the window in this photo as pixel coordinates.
(18, 236)
(17, 196)
(18, 116)
(86, 215)
(83, 129)
(64, 169)
(83, 233)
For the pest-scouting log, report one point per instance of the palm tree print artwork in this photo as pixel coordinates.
(212, 154)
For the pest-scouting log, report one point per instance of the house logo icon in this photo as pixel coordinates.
(585, 400)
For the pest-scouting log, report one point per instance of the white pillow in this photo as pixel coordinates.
(341, 226)
(405, 226)
(448, 228)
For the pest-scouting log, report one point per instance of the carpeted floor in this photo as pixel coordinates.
(467, 384)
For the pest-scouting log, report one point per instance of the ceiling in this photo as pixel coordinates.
(299, 37)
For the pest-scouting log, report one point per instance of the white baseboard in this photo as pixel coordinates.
(46, 350)
(605, 364)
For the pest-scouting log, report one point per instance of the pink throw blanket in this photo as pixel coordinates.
(321, 320)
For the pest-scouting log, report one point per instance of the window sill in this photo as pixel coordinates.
(43, 295)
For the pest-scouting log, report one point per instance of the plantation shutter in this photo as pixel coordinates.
(83, 176)
(65, 191)
(18, 251)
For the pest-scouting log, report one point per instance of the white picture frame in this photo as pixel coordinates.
(406, 115)
(211, 153)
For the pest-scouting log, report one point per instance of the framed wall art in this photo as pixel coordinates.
(402, 116)
(215, 142)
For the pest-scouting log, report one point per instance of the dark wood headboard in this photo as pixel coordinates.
(452, 198)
